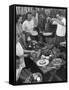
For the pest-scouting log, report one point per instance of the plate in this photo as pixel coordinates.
(42, 62)
(34, 33)
(47, 34)
(57, 61)
(63, 43)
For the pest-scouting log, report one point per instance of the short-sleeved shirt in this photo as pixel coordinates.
(28, 25)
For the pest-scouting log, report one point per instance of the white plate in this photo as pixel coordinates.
(34, 33)
(42, 62)
(47, 34)
(57, 61)
(63, 43)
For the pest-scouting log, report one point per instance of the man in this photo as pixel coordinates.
(61, 28)
(41, 21)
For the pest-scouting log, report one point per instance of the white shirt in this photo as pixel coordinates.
(61, 30)
(19, 49)
(28, 25)
(19, 52)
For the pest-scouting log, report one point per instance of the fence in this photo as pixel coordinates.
(48, 11)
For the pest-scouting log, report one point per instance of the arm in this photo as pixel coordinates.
(36, 18)
(58, 21)
(24, 27)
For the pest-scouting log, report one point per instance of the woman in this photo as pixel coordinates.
(28, 27)
(20, 43)
(19, 32)
(19, 62)
(19, 25)
(28, 24)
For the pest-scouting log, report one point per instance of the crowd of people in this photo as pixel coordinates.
(38, 27)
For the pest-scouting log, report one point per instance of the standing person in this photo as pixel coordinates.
(35, 17)
(20, 62)
(41, 21)
(19, 30)
(60, 21)
(28, 24)
(19, 25)
(41, 25)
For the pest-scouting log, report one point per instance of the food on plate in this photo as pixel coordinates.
(42, 62)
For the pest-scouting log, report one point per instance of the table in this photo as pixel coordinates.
(52, 69)
(49, 68)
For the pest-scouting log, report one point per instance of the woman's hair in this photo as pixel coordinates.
(27, 14)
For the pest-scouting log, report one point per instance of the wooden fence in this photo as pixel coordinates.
(49, 11)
